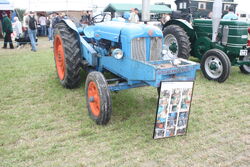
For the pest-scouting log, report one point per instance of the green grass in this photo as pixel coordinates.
(43, 124)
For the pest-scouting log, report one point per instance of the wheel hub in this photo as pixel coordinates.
(173, 48)
(214, 67)
(172, 45)
(59, 57)
(94, 98)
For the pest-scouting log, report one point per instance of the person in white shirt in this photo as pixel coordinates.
(17, 28)
(134, 18)
(42, 22)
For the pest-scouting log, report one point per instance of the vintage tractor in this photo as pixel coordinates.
(132, 53)
(217, 43)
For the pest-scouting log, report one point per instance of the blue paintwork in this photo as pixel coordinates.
(112, 30)
(136, 73)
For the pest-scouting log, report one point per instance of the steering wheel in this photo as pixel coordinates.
(101, 18)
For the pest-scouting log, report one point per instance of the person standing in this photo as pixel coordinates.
(17, 28)
(32, 27)
(165, 18)
(42, 22)
(231, 15)
(134, 18)
(49, 25)
(25, 25)
(7, 30)
(25, 15)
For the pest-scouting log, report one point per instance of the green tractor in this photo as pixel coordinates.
(218, 44)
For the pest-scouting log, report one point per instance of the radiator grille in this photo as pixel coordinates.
(139, 49)
(155, 49)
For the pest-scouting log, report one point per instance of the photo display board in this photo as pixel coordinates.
(173, 109)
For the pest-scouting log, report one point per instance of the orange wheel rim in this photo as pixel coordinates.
(59, 57)
(94, 99)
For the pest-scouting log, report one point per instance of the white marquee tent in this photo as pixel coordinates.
(53, 5)
(6, 5)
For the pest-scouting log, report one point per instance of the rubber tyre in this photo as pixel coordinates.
(245, 68)
(102, 116)
(72, 55)
(225, 63)
(182, 40)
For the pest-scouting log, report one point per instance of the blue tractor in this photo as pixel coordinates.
(133, 53)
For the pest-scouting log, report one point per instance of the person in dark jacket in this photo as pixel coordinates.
(7, 30)
(32, 29)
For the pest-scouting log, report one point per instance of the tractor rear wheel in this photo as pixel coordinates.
(177, 42)
(67, 55)
(215, 65)
(245, 68)
(98, 98)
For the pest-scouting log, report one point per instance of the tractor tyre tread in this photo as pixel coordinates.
(182, 39)
(72, 55)
(104, 94)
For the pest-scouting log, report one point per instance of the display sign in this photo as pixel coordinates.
(173, 109)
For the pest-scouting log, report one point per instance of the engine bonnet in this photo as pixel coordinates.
(112, 30)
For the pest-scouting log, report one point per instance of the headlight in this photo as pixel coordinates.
(117, 53)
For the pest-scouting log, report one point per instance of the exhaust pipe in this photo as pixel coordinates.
(145, 11)
(217, 13)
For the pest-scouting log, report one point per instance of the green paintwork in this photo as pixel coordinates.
(200, 46)
(237, 37)
(213, 66)
(200, 36)
(173, 47)
(239, 63)
(236, 30)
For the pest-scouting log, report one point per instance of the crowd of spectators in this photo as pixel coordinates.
(27, 31)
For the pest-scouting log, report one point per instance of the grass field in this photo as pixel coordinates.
(43, 124)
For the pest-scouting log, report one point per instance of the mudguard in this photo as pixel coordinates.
(92, 57)
(188, 28)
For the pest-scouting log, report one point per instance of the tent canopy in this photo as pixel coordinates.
(58, 5)
(6, 5)
(118, 7)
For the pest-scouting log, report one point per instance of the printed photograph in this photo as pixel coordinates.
(175, 100)
(165, 93)
(159, 133)
(181, 131)
(162, 114)
(170, 132)
(172, 117)
(160, 125)
(186, 99)
(182, 123)
(183, 115)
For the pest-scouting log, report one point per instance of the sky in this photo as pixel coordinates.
(243, 5)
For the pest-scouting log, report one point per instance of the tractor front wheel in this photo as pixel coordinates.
(215, 65)
(177, 42)
(98, 98)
